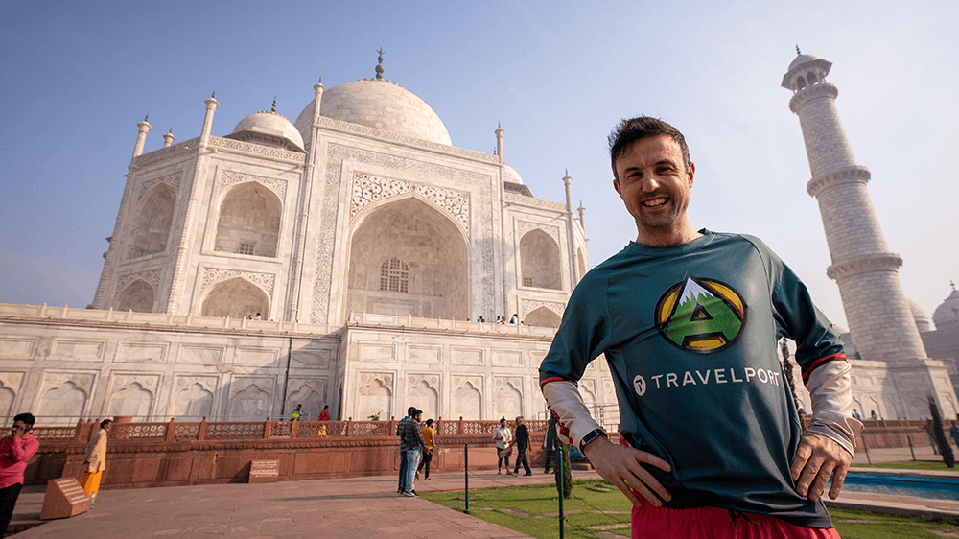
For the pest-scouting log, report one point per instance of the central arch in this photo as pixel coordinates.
(408, 243)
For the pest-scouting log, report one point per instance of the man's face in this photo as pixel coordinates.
(654, 184)
(19, 427)
(418, 417)
(108, 426)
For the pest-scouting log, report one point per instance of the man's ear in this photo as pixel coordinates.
(616, 185)
(692, 171)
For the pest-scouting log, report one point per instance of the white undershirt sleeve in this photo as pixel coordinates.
(830, 389)
(564, 399)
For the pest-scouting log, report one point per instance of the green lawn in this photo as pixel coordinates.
(599, 510)
(938, 466)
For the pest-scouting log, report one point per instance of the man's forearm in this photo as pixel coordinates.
(564, 399)
(830, 390)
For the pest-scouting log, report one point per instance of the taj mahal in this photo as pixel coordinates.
(356, 258)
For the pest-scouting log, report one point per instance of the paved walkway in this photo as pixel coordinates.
(358, 508)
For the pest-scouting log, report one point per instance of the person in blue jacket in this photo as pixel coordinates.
(689, 322)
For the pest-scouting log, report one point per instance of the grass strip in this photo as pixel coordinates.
(599, 510)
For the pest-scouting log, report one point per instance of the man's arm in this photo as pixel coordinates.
(827, 447)
(23, 448)
(620, 465)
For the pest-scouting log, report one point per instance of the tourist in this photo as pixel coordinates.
(324, 414)
(15, 451)
(428, 454)
(522, 444)
(514, 319)
(480, 320)
(95, 460)
(411, 443)
(689, 322)
(502, 436)
(295, 416)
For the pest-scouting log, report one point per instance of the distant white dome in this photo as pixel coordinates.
(380, 105)
(510, 175)
(947, 314)
(268, 125)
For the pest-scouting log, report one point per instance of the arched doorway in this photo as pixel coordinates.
(539, 256)
(249, 221)
(236, 298)
(154, 218)
(542, 317)
(138, 297)
(408, 258)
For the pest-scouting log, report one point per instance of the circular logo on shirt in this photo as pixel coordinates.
(639, 384)
(700, 315)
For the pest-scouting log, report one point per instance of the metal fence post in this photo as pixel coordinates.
(562, 492)
(466, 473)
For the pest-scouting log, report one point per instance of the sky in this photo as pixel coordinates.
(77, 77)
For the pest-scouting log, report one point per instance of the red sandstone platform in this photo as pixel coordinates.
(343, 508)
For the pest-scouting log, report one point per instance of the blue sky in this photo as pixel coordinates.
(557, 75)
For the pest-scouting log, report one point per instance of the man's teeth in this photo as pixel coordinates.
(654, 202)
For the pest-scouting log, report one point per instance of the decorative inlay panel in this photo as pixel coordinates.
(368, 189)
(173, 180)
(336, 154)
(151, 276)
(246, 147)
(228, 178)
(530, 305)
(535, 202)
(552, 230)
(215, 275)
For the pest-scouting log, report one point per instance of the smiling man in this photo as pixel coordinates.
(689, 322)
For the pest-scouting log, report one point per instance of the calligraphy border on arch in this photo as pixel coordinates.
(327, 235)
(173, 180)
(228, 178)
(151, 276)
(369, 188)
(552, 230)
(530, 305)
(212, 276)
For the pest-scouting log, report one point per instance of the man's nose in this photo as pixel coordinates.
(650, 183)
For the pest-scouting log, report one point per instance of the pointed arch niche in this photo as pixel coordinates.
(539, 256)
(430, 252)
(249, 221)
(153, 221)
(138, 297)
(542, 317)
(236, 298)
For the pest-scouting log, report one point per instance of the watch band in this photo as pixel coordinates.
(590, 437)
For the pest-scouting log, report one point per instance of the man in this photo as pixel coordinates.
(428, 454)
(411, 442)
(549, 442)
(522, 443)
(502, 436)
(688, 322)
(95, 461)
(15, 451)
(295, 416)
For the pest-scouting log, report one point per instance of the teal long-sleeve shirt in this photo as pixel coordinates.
(690, 335)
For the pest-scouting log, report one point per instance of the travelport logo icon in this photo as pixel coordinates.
(700, 315)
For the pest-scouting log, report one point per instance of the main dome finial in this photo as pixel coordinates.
(798, 53)
(379, 66)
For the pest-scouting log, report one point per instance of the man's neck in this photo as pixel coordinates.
(666, 237)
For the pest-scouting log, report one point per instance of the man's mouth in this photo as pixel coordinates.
(653, 202)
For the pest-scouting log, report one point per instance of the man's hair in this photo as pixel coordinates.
(502, 420)
(518, 418)
(27, 419)
(411, 411)
(633, 129)
(105, 422)
(429, 422)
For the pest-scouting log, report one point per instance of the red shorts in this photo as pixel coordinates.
(716, 523)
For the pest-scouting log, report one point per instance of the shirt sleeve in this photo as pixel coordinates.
(582, 336)
(23, 448)
(819, 352)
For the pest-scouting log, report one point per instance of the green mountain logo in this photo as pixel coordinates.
(700, 315)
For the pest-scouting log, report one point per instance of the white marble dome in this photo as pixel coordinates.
(380, 105)
(270, 124)
(510, 175)
(946, 315)
(922, 322)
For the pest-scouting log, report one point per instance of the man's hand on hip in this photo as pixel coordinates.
(817, 459)
(622, 466)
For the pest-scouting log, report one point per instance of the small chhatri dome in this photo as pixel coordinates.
(922, 322)
(270, 129)
(805, 70)
(946, 315)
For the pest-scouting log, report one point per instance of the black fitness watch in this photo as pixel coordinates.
(590, 437)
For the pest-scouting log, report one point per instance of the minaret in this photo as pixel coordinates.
(879, 316)
(168, 139)
(499, 142)
(143, 128)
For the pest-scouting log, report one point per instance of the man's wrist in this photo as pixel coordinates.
(590, 437)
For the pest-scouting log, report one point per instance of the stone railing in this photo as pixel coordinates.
(446, 324)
